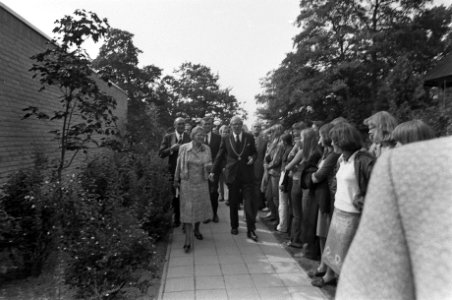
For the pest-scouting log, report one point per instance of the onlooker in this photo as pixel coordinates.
(292, 167)
(355, 167)
(311, 155)
(188, 128)
(261, 146)
(213, 141)
(403, 247)
(273, 166)
(380, 125)
(412, 131)
(191, 175)
(324, 189)
(284, 186)
(170, 148)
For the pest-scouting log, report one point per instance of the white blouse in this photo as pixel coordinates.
(347, 185)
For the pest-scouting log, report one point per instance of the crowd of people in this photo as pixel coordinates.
(309, 180)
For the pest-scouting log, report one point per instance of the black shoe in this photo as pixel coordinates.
(226, 202)
(234, 231)
(215, 219)
(198, 235)
(187, 248)
(176, 224)
(206, 221)
(252, 235)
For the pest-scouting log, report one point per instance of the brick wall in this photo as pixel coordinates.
(21, 139)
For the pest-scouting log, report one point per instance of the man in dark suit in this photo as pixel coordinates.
(239, 151)
(213, 141)
(170, 148)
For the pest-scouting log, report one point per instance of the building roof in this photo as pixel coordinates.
(441, 74)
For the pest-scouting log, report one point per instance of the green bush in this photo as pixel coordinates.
(27, 220)
(114, 213)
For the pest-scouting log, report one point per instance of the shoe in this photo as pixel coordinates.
(220, 199)
(176, 224)
(206, 221)
(226, 202)
(265, 209)
(198, 235)
(293, 245)
(252, 235)
(187, 248)
(315, 273)
(320, 282)
(215, 219)
(234, 231)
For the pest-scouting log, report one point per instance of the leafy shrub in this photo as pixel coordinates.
(27, 220)
(105, 245)
(114, 213)
(142, 182)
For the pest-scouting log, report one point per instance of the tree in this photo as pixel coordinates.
(195, 91)
(86, 112)
(356, 57)
(118, 60)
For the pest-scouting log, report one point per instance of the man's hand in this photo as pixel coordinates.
(211, 177)
(175, 147)
(250, 160)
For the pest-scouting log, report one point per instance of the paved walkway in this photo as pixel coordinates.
(224, 266)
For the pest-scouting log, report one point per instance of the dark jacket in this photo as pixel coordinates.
(165, 149)
(364, 163)
(236, 166)
(324, 175)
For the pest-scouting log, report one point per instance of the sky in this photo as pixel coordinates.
(240, 40)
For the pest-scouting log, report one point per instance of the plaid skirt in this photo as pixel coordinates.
(340, 235)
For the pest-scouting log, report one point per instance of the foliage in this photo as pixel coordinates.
(104, 243)
(86, 111)
(118, 60)
(353, 58)
(27, 220)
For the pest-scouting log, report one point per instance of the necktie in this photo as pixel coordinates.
(237, 142)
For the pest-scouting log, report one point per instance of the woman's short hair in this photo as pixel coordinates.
(384, 123)
(310, 142)
(413, 131)
(346, 137)
(196, 130)
(324, 131)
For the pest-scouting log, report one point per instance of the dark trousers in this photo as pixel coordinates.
(297, 211)
(260, 197)
(213, 191)
(236, 189)
(175, 203)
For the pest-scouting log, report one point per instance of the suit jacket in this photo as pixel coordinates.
(236, 159)
(403, 246)
(164, 151)
(214, 144)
